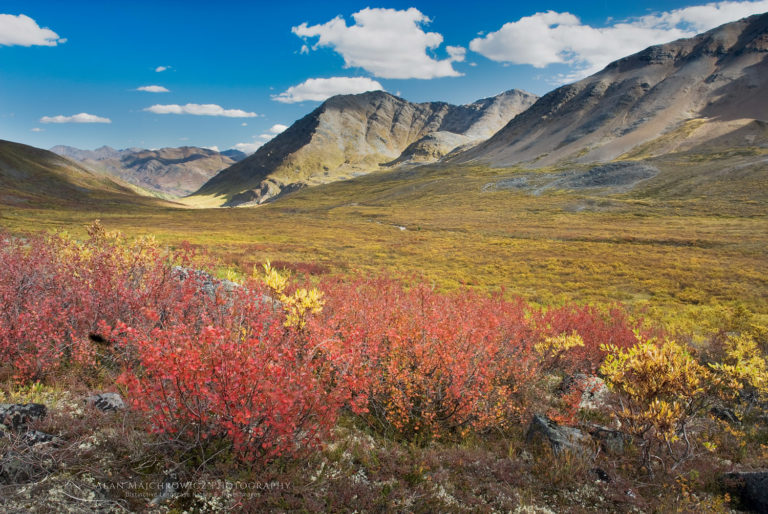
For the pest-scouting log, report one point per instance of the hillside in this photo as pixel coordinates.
(169, 171)
(719, 78)
(32, 176)
(350, 135)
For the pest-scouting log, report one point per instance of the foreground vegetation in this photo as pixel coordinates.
(330, 392)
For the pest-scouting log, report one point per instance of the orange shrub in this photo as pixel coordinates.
(423, 364)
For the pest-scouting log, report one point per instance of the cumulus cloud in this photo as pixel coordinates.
(37, 129)
(553, 37)
(153, 89)
(22, 30)
(214, 148)
(200, 110)
(277, 128)
(83, 117)
(161, 68)
(248, 148)
(317, 90)
(386, 42)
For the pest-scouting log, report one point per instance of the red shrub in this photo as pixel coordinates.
(594, 326)
(420, 362)
(54, 292)
(241, 376)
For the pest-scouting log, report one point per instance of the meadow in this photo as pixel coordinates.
(404, 328)
(689, 240)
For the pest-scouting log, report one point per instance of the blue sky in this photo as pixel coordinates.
(236, 73)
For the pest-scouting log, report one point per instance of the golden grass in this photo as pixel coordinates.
(691, 238)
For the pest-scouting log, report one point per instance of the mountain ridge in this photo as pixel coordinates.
(719, 76)
(167, 171)
(349, 135)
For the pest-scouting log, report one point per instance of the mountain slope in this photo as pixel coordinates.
(350, 135)
(720, 76)
(32, 176)
(171, 171)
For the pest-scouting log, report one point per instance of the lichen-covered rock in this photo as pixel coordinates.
(559, 437)
(594, 390)
(18, 415)
(34, 437)
(106, 402)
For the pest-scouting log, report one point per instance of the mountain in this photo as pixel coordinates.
(688, 92)
(349, 135)
(235, 155)
(170, 171)
(32, 176)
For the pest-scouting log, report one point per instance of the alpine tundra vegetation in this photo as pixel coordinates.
(407, 300)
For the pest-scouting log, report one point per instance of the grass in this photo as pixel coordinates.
(691, 238)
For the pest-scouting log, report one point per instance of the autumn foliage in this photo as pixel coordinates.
(267, 367)
(419, 362)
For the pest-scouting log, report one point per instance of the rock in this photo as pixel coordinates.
(725, 414)
(602, 476)
(18, 415)
(613, 442)
(594, 390)
(559, 438)
(34, 437)
(211, 285)
(208, 283)
(106, 402)
(15, 469)
(750, 487)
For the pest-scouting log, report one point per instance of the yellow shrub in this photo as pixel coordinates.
(660, 387)
(298, 305)
(744, 365)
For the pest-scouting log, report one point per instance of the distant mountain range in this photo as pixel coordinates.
(32, 176)
(169, 171)
(349, 135)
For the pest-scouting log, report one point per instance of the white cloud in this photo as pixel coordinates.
(200, 110)
(37, 129)
(277, 128)
(22, 30)
(317, 90)
(83, 117)
(243, 124)
(248, 148)
(153, 89)
(386, 42)
(161, 68)
(214, 148)
(554, 37)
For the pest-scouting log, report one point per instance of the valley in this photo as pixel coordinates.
(514, 304)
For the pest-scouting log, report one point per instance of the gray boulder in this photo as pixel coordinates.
(18, 415)
(612, 442)
(106, 402)
(750, 487)
(558, 437)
